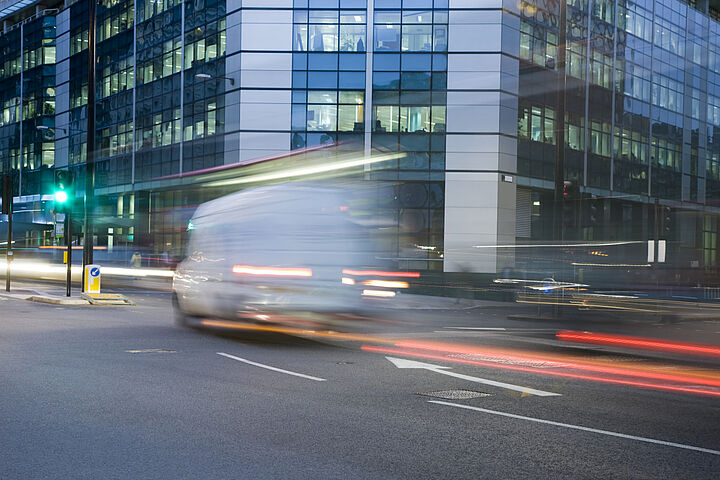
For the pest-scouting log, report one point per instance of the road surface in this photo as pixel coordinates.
(121, 392)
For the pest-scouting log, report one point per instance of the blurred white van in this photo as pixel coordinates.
(273, 251)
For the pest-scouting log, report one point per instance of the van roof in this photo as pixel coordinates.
(271, 195)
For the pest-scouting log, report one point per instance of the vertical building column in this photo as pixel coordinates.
(481, 151)
(134, 100)
(650, 114)
(182, 88)
(22, 95)
(614, 100)
(369, 48)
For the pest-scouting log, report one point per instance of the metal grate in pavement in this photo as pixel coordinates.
(459, 394)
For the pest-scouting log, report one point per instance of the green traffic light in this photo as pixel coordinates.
(61, 196)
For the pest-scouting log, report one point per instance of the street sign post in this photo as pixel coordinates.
(59, 225)
(92, 279)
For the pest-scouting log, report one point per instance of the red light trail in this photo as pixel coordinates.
(637, 342)
(613, 371)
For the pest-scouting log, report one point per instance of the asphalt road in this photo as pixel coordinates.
(120, 392)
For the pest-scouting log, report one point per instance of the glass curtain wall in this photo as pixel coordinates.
(204, 99)
(409, 88)
(10, 101)
(329, 45)
(115, 76)
(38, 100)
(641, 116)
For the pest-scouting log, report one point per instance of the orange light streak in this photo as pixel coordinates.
(378, 273)
(629, 372)
(385, 284)
(542, 372)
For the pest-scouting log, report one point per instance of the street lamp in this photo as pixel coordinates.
(207, 76)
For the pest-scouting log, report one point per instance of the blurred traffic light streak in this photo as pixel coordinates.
(640, 343)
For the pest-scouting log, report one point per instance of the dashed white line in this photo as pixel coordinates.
(578, 427)
(268, 367)
(503, 329)
(477, 328)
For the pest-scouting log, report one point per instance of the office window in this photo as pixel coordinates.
(78, 41)
(710, 240)
(409, 119)
(205, 43)
(331, 111)
(538, 44)
(329, 31)
(666, 154)
(600, 138)
(410, 31)
(537, 123)
(149, 8)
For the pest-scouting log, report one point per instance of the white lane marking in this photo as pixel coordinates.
(478, 328)
(403, 363)
(503, 329)
(578, 427)
(469, 333)
(275, 369)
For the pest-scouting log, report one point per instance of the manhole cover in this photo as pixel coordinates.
(455, 394)
(510, 361)
(151, 350)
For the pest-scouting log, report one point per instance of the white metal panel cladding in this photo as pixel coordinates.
(523, 213)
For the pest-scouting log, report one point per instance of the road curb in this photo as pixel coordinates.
(57, 300)
(15, 296)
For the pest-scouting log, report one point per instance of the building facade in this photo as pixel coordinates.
(466, 89)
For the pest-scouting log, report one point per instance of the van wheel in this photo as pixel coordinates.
(182, 319)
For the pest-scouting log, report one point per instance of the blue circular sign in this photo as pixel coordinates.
(94, 272)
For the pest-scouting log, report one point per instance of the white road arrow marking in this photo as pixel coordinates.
(404, 363)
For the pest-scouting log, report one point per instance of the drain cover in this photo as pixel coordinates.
(455, 394)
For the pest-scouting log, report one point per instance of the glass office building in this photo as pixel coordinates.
(466, 89)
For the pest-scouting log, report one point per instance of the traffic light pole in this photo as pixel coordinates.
(9, 252)
(657, 220)
(68, 241)
(560, 124)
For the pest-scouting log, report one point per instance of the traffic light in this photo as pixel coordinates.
(592, 211)
(64, 189)
(7, 193)
(666, 219)
(570, 196)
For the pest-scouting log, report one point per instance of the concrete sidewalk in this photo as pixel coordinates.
(55, 293)
(45, 294)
